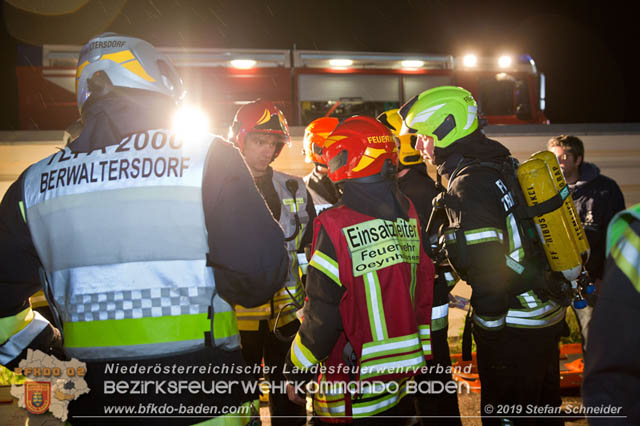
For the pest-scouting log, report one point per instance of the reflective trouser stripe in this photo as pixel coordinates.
(439, 317)
(489, 322)
(375, 308)
(535, 313)
(241, 417)
(101, 335)
(626, 254)
(546, 321)
(22, 339)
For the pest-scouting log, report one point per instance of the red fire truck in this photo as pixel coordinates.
(306, 84)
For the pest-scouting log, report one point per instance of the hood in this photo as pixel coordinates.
(475, 146)
(109, 119)
(588, 172)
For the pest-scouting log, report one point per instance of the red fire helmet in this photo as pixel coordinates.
(314, 138)
(359, 147)
(259, 116)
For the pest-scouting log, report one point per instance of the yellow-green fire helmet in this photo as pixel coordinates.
(445, 113)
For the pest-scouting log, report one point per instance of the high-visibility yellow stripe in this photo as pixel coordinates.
(326, 265)
(301, 356)
(140, 331)
(13, 324)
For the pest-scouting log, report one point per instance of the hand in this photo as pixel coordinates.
(294, 396)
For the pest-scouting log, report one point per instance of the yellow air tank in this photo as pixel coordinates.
(538, 186)
(569, 208)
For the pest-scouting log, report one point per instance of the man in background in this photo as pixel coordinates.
(597, 198)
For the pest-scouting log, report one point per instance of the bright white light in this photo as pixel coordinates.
(470, 60)
(412, 63)
(340, 62)
(190, 123)
(243, 64)
(504, 61)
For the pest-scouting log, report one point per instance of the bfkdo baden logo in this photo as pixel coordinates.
(37, 396)
(50, 384)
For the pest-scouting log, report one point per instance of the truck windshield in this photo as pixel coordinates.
(501, 94)
(343, 108)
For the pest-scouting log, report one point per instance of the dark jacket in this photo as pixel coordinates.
(478, 207)
(597, 198)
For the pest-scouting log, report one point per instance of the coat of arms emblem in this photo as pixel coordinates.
(37, 396)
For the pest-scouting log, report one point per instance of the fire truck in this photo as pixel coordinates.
(305, 84)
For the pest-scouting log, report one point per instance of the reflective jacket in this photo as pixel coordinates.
(387, 281)
(138, 284)
(294, 221)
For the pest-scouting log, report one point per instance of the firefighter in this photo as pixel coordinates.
(137, 236)
(369, 287)
(516, 324)
(260, 131)
(420, 188)
(612, 372)
(324, 192)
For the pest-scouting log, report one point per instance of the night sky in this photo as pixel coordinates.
(588, 50)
